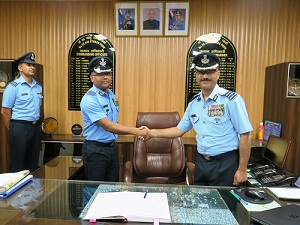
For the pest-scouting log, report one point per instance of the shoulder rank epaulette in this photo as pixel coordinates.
(38, 84)
(14, 83)
(92, 93)
(231, 95)
(195, 96)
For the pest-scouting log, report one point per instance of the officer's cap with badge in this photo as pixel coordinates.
(29, 57)
(205, 61)
(127, 13)
(178, 13)
(100, 65)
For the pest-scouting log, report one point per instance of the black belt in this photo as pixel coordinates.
(26, 122)
(101, 144)
(218, 157)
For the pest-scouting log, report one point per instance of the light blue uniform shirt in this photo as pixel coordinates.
(96, 105)
(178, 25)
(24, 99)
(218, 121)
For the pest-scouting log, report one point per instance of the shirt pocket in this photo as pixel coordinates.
(25, 97)
(194, 118)
(218, 120)
(218, 125)
(40, 98)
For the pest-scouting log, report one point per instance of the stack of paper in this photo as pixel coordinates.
(11, 182)
(286, 193)
(130, 206)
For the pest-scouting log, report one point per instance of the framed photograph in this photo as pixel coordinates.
(177, 19)
(151, 19)
(126, 19)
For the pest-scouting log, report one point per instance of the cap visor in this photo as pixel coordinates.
(98, 70)
(28, 61)
(207, 68)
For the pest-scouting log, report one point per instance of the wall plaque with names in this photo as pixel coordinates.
(224, 49)
(82, 51)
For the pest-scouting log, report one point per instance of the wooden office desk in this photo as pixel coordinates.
(50, 201)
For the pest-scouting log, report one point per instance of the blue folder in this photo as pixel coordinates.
(16, 187)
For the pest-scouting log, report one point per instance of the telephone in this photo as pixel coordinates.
(260, 169)
(275, 180)
(263, 173)
(285, 180)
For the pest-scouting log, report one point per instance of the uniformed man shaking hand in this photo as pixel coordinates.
(222, 127)
(100, 109)
(21, 103)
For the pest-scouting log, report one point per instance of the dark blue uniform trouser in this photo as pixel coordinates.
(101, 161)
(216, 171)
(25, 145)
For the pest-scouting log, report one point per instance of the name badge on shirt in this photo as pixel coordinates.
(23, 94)
(116, 101)
(216, 110)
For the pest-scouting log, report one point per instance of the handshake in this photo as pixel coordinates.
(144, 133)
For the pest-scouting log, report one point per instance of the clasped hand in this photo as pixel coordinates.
(146, 134)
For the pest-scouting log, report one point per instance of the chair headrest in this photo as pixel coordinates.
(158, 120)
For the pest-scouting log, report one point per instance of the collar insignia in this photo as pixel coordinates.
(215, 97)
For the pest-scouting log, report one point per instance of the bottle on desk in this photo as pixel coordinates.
(260, 135)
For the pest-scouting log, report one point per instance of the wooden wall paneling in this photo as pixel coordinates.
(150, 70)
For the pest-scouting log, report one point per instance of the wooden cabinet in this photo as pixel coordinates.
(8, 68)
(281, 107)
(3, 144)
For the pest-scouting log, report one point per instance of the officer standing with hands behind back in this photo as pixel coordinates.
(21, 103)
(100, 109)
(223, 129)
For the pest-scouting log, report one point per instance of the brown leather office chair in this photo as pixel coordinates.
(159, 160)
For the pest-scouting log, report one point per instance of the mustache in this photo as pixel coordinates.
(205, 79)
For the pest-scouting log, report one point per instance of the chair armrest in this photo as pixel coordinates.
(128, 172)
(190, 167)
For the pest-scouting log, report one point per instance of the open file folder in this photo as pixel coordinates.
(130, 206)
(16, 187)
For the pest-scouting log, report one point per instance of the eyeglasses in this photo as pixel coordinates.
(208, 72)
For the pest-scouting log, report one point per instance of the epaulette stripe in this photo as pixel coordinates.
(92, 93)
(231, 95)
(14, 83)
(195, 96)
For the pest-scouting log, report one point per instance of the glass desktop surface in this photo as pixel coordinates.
(188, 204)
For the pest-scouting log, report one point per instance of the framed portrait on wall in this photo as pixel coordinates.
(151, 19)
(177, 19)
(126, 19)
